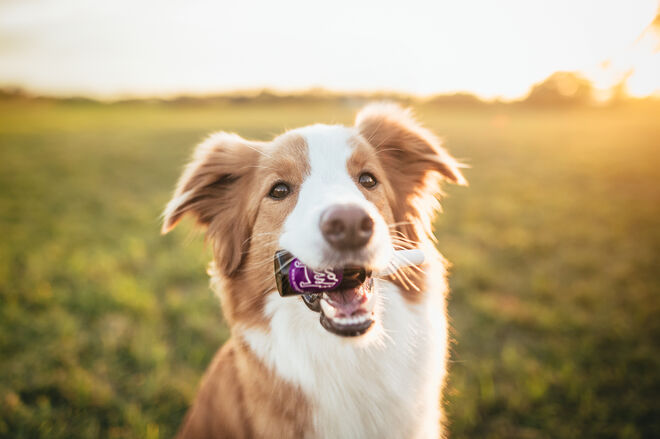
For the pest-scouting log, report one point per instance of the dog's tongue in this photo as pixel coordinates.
(346, 302)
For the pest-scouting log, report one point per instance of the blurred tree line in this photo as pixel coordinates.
(561, 89)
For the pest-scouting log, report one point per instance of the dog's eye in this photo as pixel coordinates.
(279, 191)
(367, 180)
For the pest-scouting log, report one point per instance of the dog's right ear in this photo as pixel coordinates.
(210, 190)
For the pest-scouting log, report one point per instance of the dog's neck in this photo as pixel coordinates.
(385, 383)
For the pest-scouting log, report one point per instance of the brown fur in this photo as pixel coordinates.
(221, 169)
(240, 398)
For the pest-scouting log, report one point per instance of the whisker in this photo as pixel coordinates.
(269, 168)
(258, 150)
(401, 223)
(380, 151)
(416, 268)
(398, 277)
(258, 235)
(406, 245)
(412, 284)
(400, 235)
(409, 265)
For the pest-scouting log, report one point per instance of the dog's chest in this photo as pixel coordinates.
(375, 394)
(384, 385)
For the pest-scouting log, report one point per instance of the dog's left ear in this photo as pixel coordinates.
(212, 189)
(414, 160)
(401, 141)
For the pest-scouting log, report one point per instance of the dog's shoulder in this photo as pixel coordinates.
(241, 398)
(217, 411)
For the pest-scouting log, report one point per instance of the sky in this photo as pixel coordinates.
(492, 48)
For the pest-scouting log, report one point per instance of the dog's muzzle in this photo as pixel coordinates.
(344, 297)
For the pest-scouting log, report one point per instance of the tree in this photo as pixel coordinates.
(561, 88)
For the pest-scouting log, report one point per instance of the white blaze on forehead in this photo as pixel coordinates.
(329, 148)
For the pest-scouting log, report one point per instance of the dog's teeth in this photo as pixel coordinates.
(353, 320)
(328, 309)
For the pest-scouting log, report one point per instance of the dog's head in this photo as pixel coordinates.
(333, 196)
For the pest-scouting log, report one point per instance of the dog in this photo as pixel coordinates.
(367, 362)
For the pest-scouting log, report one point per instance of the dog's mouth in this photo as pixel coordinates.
(348, 312)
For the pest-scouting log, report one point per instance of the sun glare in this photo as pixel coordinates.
(644, 81)
(645, 65)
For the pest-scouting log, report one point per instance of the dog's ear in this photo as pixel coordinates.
(413, 158)
(214, 189)
(400, 139)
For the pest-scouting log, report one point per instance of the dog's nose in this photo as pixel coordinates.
(346, 227)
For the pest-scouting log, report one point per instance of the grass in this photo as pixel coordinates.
(106, 327)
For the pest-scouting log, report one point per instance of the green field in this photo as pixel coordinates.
(106, 327)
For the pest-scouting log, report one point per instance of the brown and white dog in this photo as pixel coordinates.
(361, 363)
